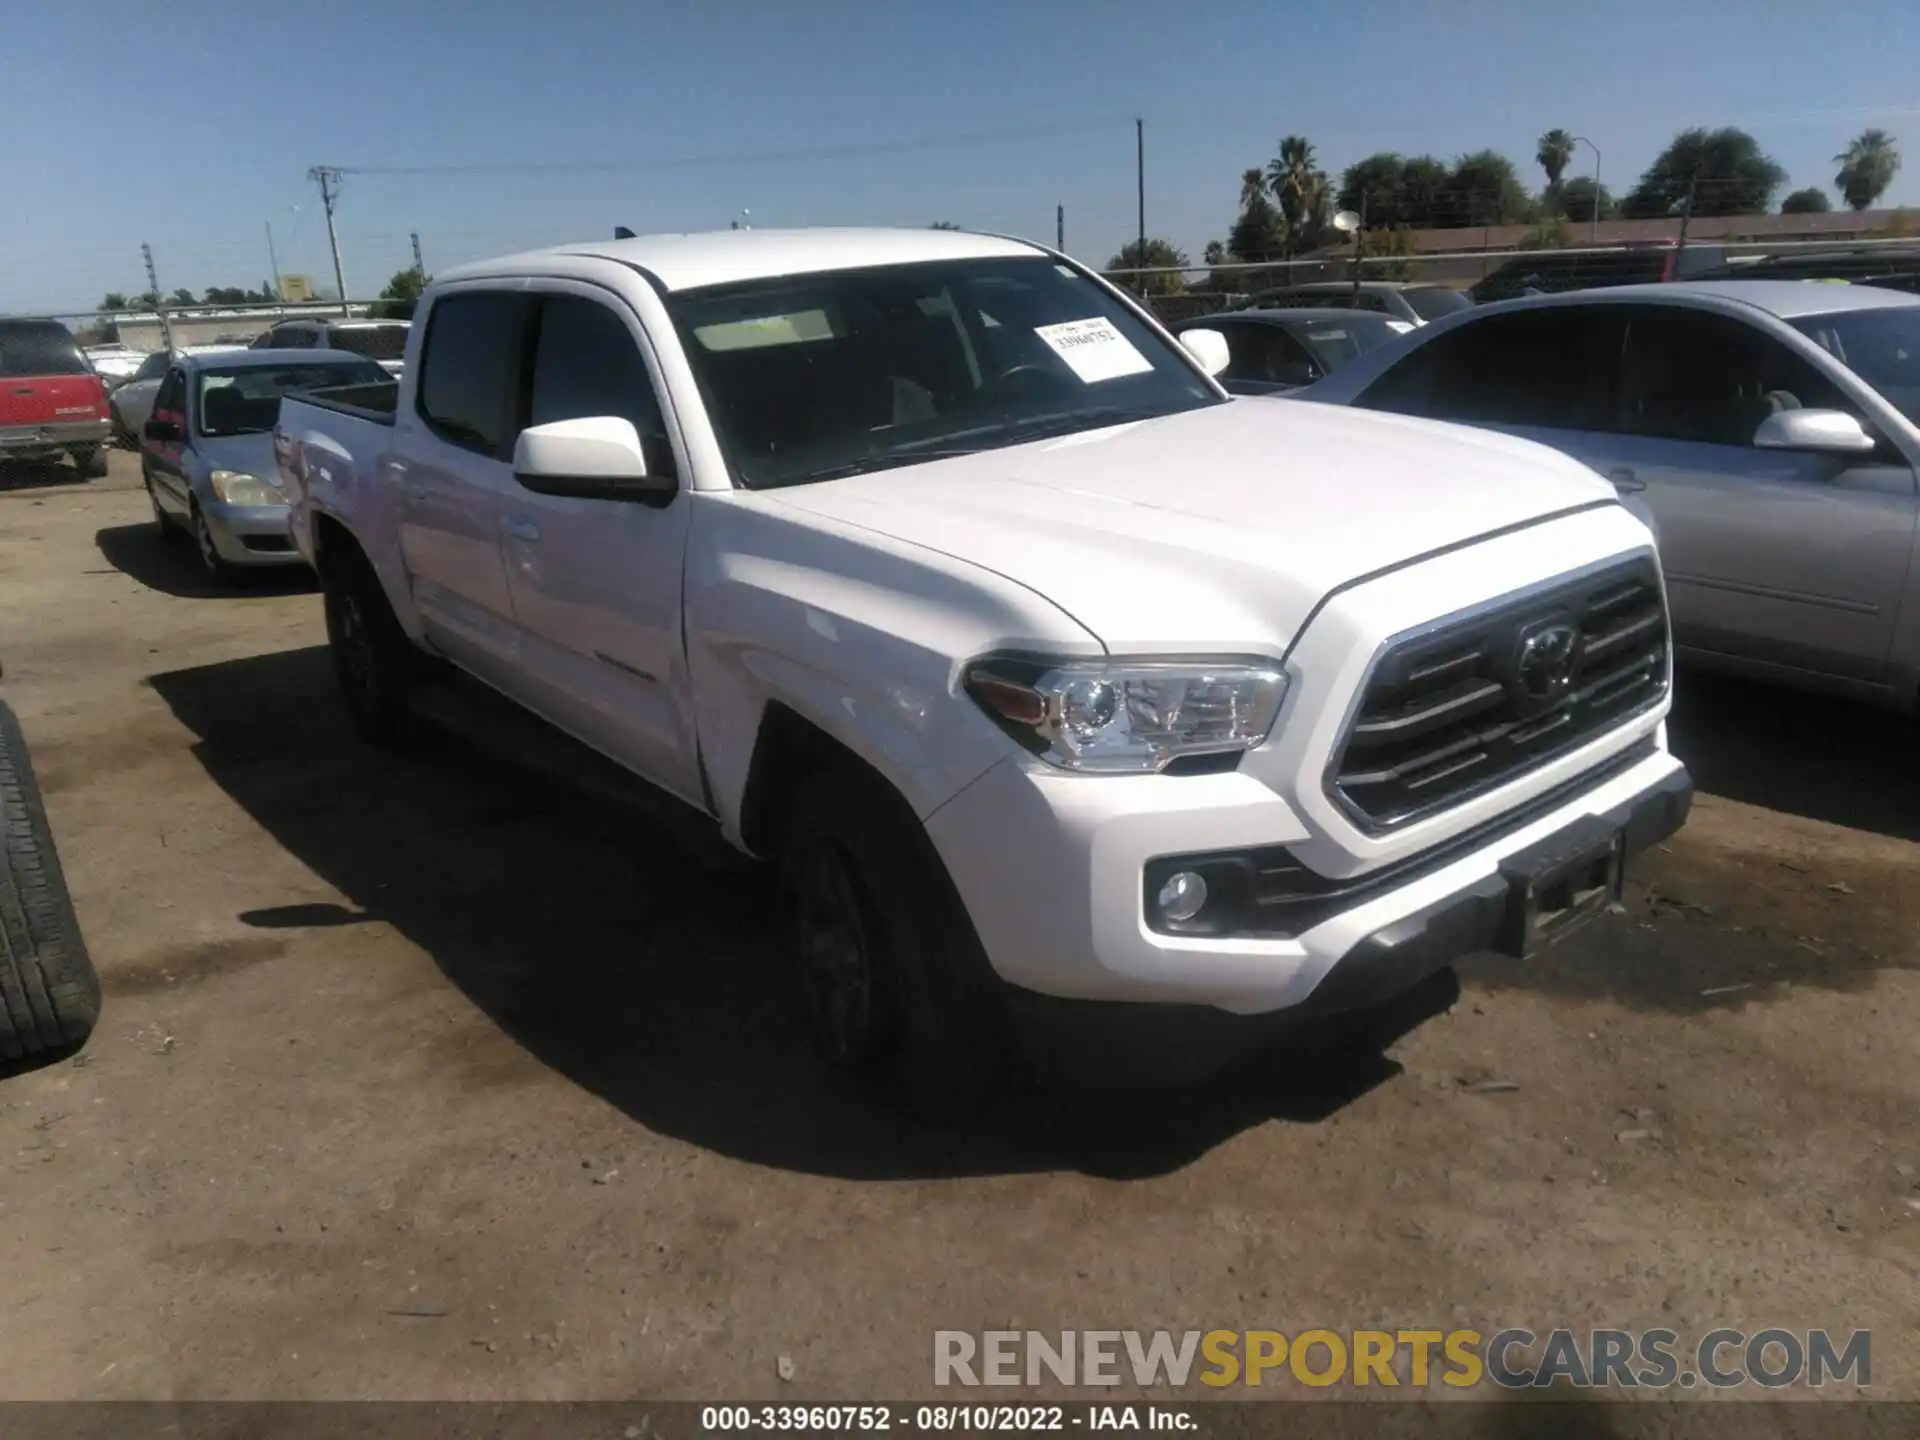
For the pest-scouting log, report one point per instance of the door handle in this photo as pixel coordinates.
(521, 529)
(1625, 481)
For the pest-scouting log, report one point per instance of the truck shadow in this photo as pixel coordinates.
(1832, 760)
(19, 475)
(629, 952)
(169, 565)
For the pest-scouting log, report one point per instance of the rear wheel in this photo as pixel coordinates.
(374, 662)
(90, 461)
(896, 988)
(49, 992)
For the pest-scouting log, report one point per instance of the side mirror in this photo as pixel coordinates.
(1831, 432)
(1209, 347)
(599, 457)
(165, 431)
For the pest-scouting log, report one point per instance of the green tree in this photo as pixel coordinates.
(1372, 187)
(1424, 183)
(146, 300)
(943, 225)
(1725, 168)
(1159, 256)
(113, 300)
(1810, 201)
(1867, 168)
(1549, 232)
(1300, 186)
(1575, 200)
(1259, 234)
(1555, 153)
(1484, 189)
(397, 301)
(182, 296)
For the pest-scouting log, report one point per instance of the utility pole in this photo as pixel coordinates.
(159, 305)
(1140, 192)
(1593, 236)
(1060, 227)
(273, 260)
(1359, 248)
(1686, 214)
(329, 178)
(419, 265)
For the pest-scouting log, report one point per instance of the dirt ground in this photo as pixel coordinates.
(435, 1078)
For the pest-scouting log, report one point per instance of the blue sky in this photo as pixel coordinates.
(192, 125)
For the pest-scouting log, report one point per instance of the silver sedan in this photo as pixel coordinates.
(207, 456)
(1768, 431)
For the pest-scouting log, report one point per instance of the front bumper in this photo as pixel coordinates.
(252, 534)
(1051, 869)
(28, 442)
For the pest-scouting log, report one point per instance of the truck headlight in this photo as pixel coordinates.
(1128, 717)
(237, 487)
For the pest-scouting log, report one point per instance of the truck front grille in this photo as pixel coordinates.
(1448, 713)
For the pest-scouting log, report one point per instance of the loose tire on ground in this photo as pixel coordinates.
(917, 1017)
(49, 993)
(374, 662)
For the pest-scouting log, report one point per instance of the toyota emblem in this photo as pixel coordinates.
(1543, 664)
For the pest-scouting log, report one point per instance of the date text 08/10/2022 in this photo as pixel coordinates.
(941, 1419)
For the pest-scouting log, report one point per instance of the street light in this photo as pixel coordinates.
(1348, 223)
(1594, 234)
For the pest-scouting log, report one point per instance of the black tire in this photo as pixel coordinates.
(217, 570)
(90, 461)
(908, 1005)
(375, 663)
(49, 993)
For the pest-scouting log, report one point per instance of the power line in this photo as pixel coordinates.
(764, 157)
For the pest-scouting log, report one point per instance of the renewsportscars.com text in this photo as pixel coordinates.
(1512, 1359)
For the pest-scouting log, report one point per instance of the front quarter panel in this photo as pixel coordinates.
(861, 635)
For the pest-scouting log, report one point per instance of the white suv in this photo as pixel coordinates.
(1063, 687)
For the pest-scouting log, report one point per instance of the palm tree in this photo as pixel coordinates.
(1555, 154)
(1253, 189)
(1867, 168)
(1300, 186)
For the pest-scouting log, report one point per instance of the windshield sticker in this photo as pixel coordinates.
(1094, 350)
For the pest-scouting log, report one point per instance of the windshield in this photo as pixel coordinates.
(1431, 302)
(816, 376)
(1335, 342)
(245, 400)
(39, 347)
(376, 342)
(1882, 347)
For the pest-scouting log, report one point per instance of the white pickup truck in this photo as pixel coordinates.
(1074, 698)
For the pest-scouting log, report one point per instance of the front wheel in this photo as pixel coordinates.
(373, 660)
(896, 987)
(217, 570)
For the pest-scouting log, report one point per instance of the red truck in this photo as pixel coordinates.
(51, 401)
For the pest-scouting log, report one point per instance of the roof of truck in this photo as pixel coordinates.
(722, 257)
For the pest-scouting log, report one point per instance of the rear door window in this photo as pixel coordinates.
(468, 368)
(1551, 368)
(34, 347)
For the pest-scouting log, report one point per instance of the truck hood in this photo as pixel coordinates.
(1213, 529)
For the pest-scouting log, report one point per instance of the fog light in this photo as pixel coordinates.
(1183, 896)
